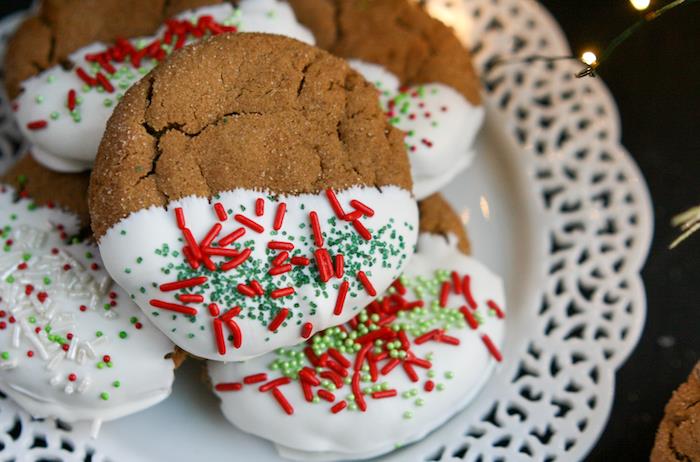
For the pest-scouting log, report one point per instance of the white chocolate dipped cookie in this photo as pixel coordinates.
(72, 344)
(63, 111)
(397, 371)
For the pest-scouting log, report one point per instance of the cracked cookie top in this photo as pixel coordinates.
(251, 111)
(62, 26)
(396, 34)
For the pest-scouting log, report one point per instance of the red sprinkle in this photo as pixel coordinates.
(277, 270)
(190, 298)
(323, 262)
(257, 287)
(466, 290)
(278, 320)
(192, 244)
(444, 293)
(384, 394)
(327, 395)
(235, 332)
(279, 293)
(306, 330)
(316, 228)
(339, 407)
(361, 230)
(245, 290)
(237, 261)
(259, 206)
(357, 392)
(340, 301)
(104, 82)
(185, 283)
(280, 245)
(335, 204)
(244, 220)
(173, 307)
(180, 217)
(211, 235)
(362, 208)
(469, 317)
(369, 288)
(429, 386)
(214, 309)
(274, 384)
(220, 212)
(455, 283)
(300, 261)
(229, 238)
(255, 378)
(282, 401)
(492, 348)
(228, 386)
(339, 266)
(37, 124)
(338, 356)
(497, 309)
(219, 334)
(280, 259)
(279, 216)
(71, 99)
(85, 77)
(399, 287)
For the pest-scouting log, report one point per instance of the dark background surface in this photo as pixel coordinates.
(655, 79)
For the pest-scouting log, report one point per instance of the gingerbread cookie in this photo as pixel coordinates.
(678, 437)
(74, 346)
(402, 367)
(63, 110)
(427, 84)
(248, 192)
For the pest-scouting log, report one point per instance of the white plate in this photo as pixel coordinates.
(552, 202)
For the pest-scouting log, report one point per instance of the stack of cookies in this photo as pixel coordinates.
(253, 186)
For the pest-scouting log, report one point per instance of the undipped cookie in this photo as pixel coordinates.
(402, 367)
(249, 192)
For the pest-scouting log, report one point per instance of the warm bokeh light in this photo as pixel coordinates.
(589, 58)
(640, 4)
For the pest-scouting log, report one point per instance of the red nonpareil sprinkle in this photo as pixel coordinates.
(90, 81)
(357, 392)
(37, 124)
(280, 245)
(219, 335)
(180, 218)
(469, 317)
(369, 288)
(190, 298)
(259, 207)
(456, 283)
(338, 356)
(495, 308)
(278, 320)
(279, 216)
(444, 293)
(211, 235)
(335, 204)
(245, 221)
(192, 244)
(228, 386)
(214, 309)
(237, 261)
(104, 82)
(279, 293)
(340, 300)
(300, 261)
(316, 228)
(72, 377)
(466, 290)
(220, 212)
(306, 330)
(173, 307)
(327, 395)
(282, 401)
(245, 290)
(398, 285)
(384, 394)
(309, 375)
(274, 384)
(429, 386)
(255, 378)
(323, 262)
(492, 347)
(70, 102)
(231, 237)
(339, 265)
(339, 407)
(277, 270)
(361, 230)
(389, 366)
(257, 287)
(357, 205)
(280, 259)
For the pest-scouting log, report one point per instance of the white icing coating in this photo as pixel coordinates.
(62, 372)
(441, 126)
(313, 432)
(128, 249)
(69, 145)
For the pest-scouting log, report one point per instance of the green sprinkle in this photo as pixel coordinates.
(104, 395)
(116, 384)
(123, 334)
(5, 355)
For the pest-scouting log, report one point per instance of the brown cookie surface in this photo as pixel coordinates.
(397, 34)
(46, 187)
(61, 27)
(438, 217)
(678, 436)
(242, 110)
